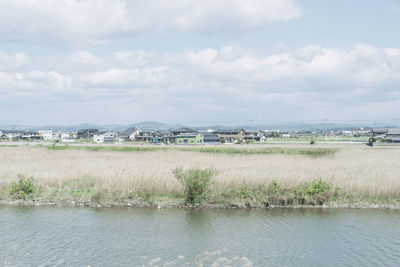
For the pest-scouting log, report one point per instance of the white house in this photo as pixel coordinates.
(129, 134)
(347, 133)
(47, 135)
(64, 135)
(104, 137)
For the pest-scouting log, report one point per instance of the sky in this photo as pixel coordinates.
(211, 61)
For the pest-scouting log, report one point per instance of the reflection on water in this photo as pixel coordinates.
(50, 236)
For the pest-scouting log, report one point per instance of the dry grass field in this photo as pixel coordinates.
(359, 171)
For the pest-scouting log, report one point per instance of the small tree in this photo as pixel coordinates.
(23, 187)
(195, 182)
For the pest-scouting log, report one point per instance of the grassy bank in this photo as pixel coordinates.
(198, 192)
(207, 176)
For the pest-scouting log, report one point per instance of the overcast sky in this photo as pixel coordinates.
(119, 61)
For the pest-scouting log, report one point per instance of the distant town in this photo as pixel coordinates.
(189, 136)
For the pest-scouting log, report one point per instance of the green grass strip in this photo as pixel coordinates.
(312, 152)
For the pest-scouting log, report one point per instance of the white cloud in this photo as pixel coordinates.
(229, 80)
(125, 77)
(13, 62)
(82, 61)
(363, 64)
(33, 82)
(360, 64)
(209, 15)
(93, 21)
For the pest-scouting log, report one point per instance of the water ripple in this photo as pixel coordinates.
(48, 236)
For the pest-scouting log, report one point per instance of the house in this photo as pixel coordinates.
(146, 136)
(12, 134)
(253, 136)
(174, 133)
(63, 135)
(347, 133)
(86, 133)
(20, 135)
(128, 134)
(182, 130)
(189, 139)
(378, 132)
(231, 136)
(104, 137)
(210, 138)
(165, 137)
(392, 135)
(30, 136)
(152, 136)
(47, 135)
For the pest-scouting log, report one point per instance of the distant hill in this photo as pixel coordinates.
(155, 125)
(165, 126)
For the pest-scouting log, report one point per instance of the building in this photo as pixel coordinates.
(47, 135)
(392, 135)
(189, 139)
(104, 137)
(378, 132)
(165, 137)
(347, 133)
(231, 136)
(128, 134)
(150, 136)
(20, 135)
(86, 133)
(210, 138)
(179, 131)
(253, 136)
(30, 136)
(12, 134)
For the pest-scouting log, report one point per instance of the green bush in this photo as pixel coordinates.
(312, 142)
(274, 187)
(245, 192)
(195, 182)
(23, 187)
(316, 192)
(316, 187)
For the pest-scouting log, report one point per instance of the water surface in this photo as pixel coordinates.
(51, 236)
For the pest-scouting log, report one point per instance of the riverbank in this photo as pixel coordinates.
(244, 205)
(251, 177)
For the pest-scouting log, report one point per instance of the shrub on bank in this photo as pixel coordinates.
(316, 192)
(23, 187)
(195, 182)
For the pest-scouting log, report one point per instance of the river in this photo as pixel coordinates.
(60, 236)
